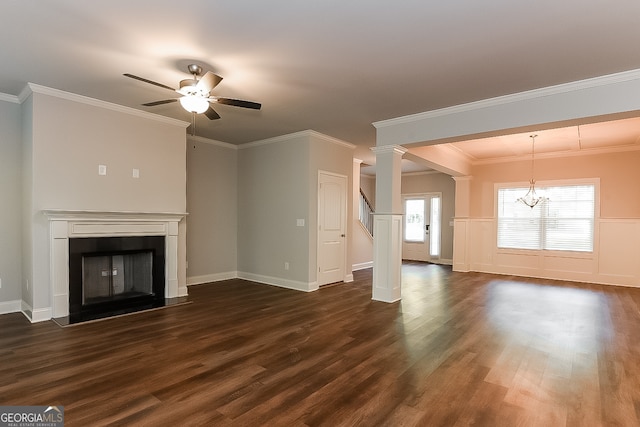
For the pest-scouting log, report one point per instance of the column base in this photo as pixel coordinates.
(387, 257)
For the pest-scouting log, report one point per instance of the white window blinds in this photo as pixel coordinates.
(564, 221)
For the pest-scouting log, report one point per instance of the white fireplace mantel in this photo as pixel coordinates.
(68, 224)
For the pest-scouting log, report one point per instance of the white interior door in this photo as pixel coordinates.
(332, 218)
(421, 231)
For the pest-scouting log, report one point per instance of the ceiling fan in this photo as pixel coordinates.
(196, 93)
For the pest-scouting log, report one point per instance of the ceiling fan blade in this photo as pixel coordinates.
(208, 82)
(211, 114)
(238, 103)
(164, 101)
(142, 79)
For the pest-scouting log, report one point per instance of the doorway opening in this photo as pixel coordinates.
(422, 228)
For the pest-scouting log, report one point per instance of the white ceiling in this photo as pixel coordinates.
(333, 66)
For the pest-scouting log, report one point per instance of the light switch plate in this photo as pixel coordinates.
(136, 173)
(102, 169)
(300, 222)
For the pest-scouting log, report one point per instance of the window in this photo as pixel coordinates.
(564, 221)
(414, 220)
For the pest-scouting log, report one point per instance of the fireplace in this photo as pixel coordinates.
(115, 275)
(70, 227)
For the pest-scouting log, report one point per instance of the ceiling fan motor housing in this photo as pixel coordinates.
(189, 87)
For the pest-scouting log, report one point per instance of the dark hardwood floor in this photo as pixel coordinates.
(459, 349)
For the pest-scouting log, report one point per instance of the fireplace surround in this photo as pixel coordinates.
(77, 224)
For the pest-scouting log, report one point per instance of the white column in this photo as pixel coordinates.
(387, 224)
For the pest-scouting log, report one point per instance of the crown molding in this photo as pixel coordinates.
(383, 149)
(9, 98)
(330, 139)
(35, 88)
(418, 173)
(559, 154)
(25, 93)
(520, 96)
(297, 135)
(195, 138)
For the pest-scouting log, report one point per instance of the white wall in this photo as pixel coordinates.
(212, 203)
(69, 137)
(10, 206)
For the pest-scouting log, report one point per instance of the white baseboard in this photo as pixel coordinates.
(38, 315)
(348, 278)
(10, 306)
(182, 291)
(362, 266)
(207, 278)
(280, 282)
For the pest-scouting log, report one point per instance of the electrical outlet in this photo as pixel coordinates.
(0, 282)
(136, 173)
(102, 169)
(286, 265)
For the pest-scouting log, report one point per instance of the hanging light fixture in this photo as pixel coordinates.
(532, 198)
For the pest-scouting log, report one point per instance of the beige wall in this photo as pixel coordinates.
(336, 157)
(212, 203)
(273, 192)
(616, 255)
(10, 212)
(368, 186)
(67, 140)
(436, 183)
(362, 247)
(71, 139)
(619, 174)
(277, 185)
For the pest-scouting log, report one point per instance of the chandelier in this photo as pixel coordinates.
(532, 198)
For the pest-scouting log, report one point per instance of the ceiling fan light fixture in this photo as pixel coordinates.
(194, 104)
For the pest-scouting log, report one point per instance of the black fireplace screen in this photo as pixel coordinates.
(107, 273)
(111, 277)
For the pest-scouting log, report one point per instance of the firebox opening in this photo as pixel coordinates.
(115, 275)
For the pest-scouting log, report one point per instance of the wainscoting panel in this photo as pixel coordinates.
(615, 259)
(619, 259)
(460, 258)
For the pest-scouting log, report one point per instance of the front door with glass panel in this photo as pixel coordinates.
(421, 233)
